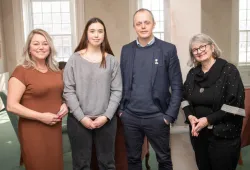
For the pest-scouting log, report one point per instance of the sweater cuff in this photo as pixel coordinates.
(78, 114)
(110, 113)
(188, 112)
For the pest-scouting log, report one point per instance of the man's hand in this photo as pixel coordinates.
(120, 114)
(166, 121)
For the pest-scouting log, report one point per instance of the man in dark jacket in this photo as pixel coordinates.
(150, 67)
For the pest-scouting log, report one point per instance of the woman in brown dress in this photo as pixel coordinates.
(35, 95)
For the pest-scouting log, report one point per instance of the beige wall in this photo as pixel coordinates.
(217, 23)
(12, 24)
(187, 18)
(115, 15)
(245, 69)
(2, 59)
(115, 19)
(235, 32)
(222, 24)
(8, 36)
(185, 22)
(205, 18)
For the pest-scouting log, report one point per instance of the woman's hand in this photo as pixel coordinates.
(87, 122)
(193, 121)
(100, 121)
(202, 122)
(49, 118)
(63, 111)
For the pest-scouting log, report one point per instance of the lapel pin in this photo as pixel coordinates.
(201, 90)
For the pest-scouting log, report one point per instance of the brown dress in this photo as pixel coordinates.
(41, 144)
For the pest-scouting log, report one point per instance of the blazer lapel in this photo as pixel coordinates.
(131, 64)
(157, 59)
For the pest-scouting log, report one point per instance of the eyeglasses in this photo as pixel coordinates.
(202, 48)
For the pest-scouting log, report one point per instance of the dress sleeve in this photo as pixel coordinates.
(19, 73)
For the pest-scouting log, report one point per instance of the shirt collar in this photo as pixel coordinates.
(149, 43)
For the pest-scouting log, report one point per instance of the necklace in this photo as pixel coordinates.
(43, 70)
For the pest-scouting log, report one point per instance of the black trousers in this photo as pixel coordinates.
(215, 153)
(157, 132)
(81, 140)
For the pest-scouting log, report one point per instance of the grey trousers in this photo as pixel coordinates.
(81, 140)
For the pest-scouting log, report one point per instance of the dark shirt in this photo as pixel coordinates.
(141, 102)
(202, 100)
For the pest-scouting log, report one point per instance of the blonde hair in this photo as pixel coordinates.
(202, 38)
(50, 61)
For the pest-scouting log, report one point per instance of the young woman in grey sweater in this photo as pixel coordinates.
(92, 90)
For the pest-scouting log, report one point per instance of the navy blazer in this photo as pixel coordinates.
(165, 75)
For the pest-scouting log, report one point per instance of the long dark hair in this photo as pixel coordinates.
(105, 47)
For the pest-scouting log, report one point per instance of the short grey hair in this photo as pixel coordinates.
(143, 10)
(202, 38)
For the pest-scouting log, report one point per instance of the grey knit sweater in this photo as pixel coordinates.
(90, 90)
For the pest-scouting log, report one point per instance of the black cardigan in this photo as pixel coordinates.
(229, 92)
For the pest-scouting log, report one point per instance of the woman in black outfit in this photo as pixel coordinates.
(213, 103)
